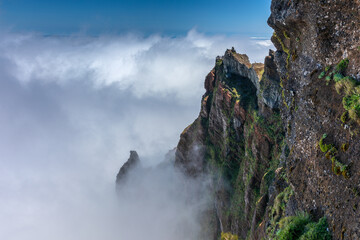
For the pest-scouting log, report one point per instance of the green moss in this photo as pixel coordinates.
(340, 169)
(342, 65)
(235, 93)
(229, 236)
(338, 77)
(322, 74)
(281, 83)
(286, 35)
(324, 147)
(284, 99)
(284, 48)
(344, 117)
(219, 62)
(328, 79)
(344, 147)
(330, 153)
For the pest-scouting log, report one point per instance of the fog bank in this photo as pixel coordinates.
(72, 107)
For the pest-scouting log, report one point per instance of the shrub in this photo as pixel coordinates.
(292, 227)
(351, 102)
(338, 77)
(303, 228)
(315, 231)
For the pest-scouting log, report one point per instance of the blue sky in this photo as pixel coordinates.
(242, 17)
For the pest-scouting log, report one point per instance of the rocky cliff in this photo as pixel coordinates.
(132, 163)
(237, 139)
(281, 140)
(283, 147)
(318, 59)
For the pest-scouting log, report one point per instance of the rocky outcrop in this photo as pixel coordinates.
(235, 143)
(239, 64)
(270, 89)
(132, 163)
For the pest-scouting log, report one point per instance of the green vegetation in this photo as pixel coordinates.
(322, 74)
(281, 200)
(338, 77)
(324, 147)
(348, 87)
(286, 35)
(303, 228)
(344, 147)
(228, 236)
(278, 210)
(342, 65)
(234, 159)
(344, 117)
(284, 48)
(284, 99)
(330, 153)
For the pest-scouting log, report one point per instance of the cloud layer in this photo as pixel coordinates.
(72, 107)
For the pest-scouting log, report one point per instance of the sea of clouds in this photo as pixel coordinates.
(71, 108)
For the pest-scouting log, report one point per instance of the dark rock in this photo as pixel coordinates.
(132, 163)
(270, 89)
(311, 36)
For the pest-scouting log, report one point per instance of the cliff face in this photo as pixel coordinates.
(281, 141)
(318, 59)
(236, 142)
(289, 143)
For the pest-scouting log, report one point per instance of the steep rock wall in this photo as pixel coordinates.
(235, 142)
(318, 59)
(287, 147)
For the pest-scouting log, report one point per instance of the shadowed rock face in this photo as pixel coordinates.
(131, 164)
(270, 93)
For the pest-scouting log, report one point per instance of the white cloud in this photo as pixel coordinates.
(72, 107)
(147, 66)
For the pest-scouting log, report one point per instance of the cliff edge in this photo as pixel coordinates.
(283, 147)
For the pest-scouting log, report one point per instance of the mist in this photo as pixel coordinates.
(72, 107)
